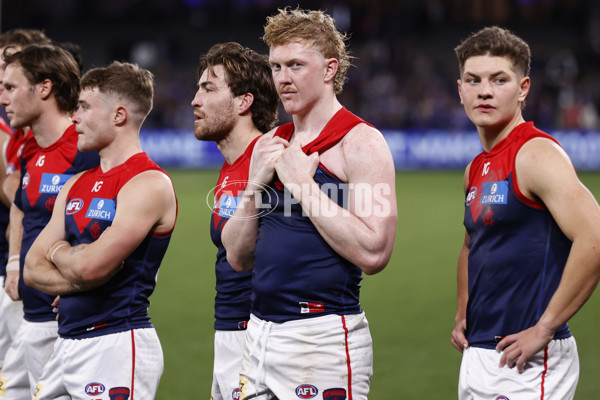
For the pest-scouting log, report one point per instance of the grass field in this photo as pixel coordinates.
(410, 305)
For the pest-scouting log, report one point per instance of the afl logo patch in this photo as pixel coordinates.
(25, 180)
(502, 398)
(306, 391)
(471, 196)
(74, 206)
(94, 389)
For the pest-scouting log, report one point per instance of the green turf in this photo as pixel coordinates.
(410, 305)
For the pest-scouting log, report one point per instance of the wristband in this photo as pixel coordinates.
(55, 250)
(13, 265)
(14, 257)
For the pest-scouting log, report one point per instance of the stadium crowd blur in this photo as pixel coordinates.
(406, 71)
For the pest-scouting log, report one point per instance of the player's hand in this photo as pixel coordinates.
(54, 305)
(520, 347)
(12, 285)
(293, 167)
(458, 339)
(262, 165)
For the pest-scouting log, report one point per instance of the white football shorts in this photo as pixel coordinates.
(26, 359)
(123, 365)
(551, 374)
(229, 347)
(328, 357)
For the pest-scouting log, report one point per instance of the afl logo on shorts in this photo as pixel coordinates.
(471, 196)
(236, 394)
(306, 391)
(502, 398)
(74, 206)
(94, 389)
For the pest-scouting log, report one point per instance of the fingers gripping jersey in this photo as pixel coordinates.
(120, 304)
(517, 251)
(232, 302)
(44, 171)
(296, 273)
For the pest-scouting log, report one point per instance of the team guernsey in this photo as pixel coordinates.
(517, 252)
(232, 302)
(44, 171)
(120, 304)
(310, 278)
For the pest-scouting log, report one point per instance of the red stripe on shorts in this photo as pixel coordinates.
(348, 359)
(545, 370)
(132, 362)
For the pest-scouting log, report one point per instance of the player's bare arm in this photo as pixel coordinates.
(365, 235)
(544, 172)
(14, 250)
(3, 198)
(40, 272)
(458, 339)
(11, 184)
(240, 232)
(146, 204)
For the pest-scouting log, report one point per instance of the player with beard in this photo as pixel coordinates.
(235, 103)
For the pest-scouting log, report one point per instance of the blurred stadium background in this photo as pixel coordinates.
(405, 84)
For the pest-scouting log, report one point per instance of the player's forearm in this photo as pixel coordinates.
(84, 266)
(44, 276)
(579, 280)
(240, 232)
(15, 231)
(462, 284)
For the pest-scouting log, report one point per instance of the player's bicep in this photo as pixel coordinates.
(545, 172)
(145, 205)
(371, 178)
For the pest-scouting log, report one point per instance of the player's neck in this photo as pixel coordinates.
(491, 136)
(49, 127)
(121, 149)
(309, 125)
(236, 143)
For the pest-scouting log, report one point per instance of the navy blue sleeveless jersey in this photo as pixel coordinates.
(517, 252)
(232, 301)
(122, 303)
(44, 171)
(296, 273)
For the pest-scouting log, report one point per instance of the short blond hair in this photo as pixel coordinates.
(315, 28)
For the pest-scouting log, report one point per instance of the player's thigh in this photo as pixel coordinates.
(553, 371)
(127, 364)
(228, 350)
(324, 355)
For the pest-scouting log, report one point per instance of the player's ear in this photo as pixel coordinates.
(459, 86)
(332, 65)
(45, 88)
(245, 103)
(120, 115)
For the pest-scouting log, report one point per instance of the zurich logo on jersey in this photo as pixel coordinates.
(73, 206)
(103, 209)
(52, 183)
(228, 205)
(494, 192)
